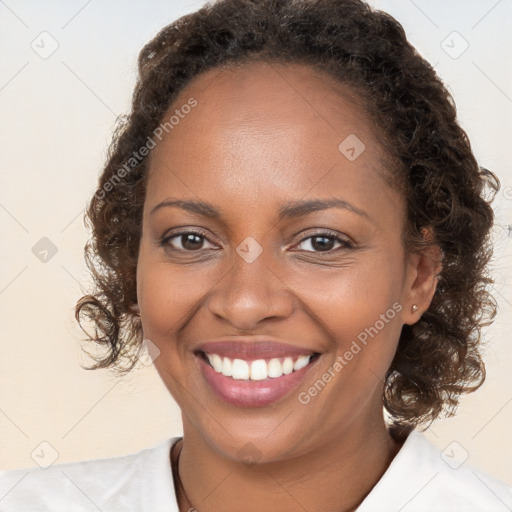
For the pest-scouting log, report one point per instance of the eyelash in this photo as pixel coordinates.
(345, 244)
(164, 242)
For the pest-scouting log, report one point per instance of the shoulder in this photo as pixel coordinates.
(421, 477)
(128, 482)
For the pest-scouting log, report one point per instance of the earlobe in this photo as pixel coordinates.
(427, 266)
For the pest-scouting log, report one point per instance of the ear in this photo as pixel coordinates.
(423, 268)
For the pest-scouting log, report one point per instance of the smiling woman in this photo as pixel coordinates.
(302, 250)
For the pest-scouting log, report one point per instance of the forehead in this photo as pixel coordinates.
(268, 131)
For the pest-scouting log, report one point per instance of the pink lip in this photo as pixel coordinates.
(252, 350)
(247, 393)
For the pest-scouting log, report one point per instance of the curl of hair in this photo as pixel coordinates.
(438, 358)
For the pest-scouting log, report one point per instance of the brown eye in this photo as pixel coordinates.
(323, 242)
(191, 241)
(188, 241)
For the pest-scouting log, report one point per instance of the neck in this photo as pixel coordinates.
(334, 477)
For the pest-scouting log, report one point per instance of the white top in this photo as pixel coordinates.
(418, 480)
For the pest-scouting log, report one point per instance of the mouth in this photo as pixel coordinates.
(253, 374)
(257, 369)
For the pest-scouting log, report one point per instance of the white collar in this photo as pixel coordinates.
(417, 480)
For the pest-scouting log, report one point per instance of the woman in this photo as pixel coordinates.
(294, 223)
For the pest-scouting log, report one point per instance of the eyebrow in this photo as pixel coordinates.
(199, 207)
(298, 208)
(288, 210)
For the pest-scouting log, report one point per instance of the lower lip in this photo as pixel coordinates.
(252, 393)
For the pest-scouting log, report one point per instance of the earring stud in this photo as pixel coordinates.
(414, 307)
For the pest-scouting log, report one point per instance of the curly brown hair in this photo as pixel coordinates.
(430, 158)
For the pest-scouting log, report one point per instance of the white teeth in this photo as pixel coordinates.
(275, 368)
(240, 369)
(301, 362)
(259, 369)
(288, 365)
(216, 362)
(227, 367)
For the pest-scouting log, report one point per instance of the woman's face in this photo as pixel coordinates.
(269, 228)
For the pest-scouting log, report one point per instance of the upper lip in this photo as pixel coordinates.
(252, 349)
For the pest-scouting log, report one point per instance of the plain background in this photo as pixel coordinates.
(57, 115)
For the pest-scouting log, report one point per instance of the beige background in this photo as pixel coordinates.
(57, 115)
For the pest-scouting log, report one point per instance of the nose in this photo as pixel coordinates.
(249, 294)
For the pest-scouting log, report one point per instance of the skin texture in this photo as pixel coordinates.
(260, 136)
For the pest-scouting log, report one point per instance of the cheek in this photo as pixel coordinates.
(359, 307)
(165, 296)
(166, 299)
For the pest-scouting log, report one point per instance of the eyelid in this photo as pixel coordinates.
(345, 242)
(327, 233)
(164, 240)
